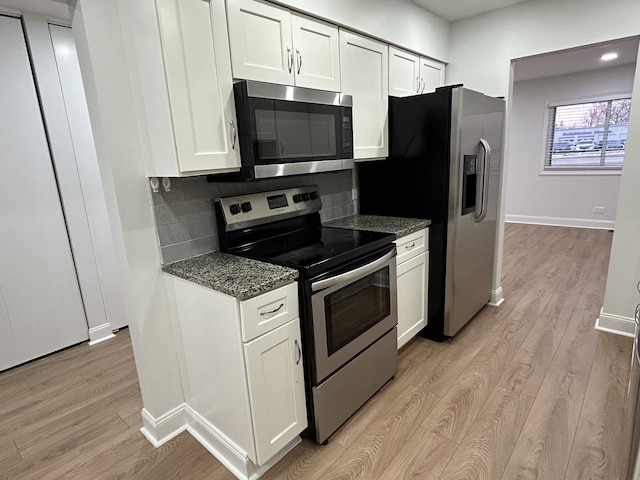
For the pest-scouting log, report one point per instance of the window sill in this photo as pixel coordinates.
(603, 171)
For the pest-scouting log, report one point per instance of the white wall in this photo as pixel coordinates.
(399, 22)
(558, 199)
(621, 295)
(103, 61)
(481, 50)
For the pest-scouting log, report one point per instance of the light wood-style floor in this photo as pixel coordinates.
(526, 391)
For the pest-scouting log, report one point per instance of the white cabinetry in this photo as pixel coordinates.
(183, 76)
(276, 388)
(243, 372)
(410, 74)
(271, 44)
(364, 71)
(412, 265)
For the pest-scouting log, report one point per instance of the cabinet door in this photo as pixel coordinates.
(276, 388)
(365, 75)
(316, 53)
(404, 73)
(431, 75)
(196, 58)
(412, 297)
(260, 36)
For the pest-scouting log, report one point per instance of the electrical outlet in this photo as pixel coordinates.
(598, 209)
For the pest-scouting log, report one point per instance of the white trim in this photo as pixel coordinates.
(100, 333)
(496, 298)
(159, 431)
(568, 171)
(226, 451)
(162, 429)
(561, 221)
(610, 323)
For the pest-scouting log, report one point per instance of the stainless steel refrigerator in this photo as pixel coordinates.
(444, 165)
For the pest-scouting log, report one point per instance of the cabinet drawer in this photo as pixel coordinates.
(262, 314)
(411, 245)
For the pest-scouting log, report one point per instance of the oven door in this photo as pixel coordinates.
(351, 310)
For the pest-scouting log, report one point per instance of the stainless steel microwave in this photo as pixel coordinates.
(285, 130)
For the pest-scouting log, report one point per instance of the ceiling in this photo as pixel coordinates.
(454, 10)
(576, 60)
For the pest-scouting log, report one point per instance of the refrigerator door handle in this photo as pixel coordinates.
(484, 191)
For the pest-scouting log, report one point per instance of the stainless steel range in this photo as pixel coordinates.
(347, 292)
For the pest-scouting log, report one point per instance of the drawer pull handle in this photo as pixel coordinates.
(410, 246)
(299, 352)
(262, 314)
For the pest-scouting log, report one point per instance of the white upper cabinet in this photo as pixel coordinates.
(404, 73)
(431, 75)
(410, 74)
(317, 53)
(271, 44)
(260, 36)
(201, 114)
(364, 70)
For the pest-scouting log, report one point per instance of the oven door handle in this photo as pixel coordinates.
(352, 274)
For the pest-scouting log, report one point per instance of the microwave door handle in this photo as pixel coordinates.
(353, 274)
(484, 191)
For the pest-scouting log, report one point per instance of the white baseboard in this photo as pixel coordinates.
(561, 221)
(235, 459)
(100, 333)
(162, 429)
(610, 323)
(496, 297)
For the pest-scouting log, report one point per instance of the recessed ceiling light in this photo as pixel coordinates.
(609, 56)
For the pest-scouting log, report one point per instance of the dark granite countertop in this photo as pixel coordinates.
(239, 277)
(377, 223)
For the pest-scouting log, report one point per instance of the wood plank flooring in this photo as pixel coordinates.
(525, 391)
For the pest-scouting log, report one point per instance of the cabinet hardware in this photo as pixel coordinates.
(423, 85)
(410, 246)
(262, 314)
(299, 352)
(289, 59)
(233, 135)
(299, 56)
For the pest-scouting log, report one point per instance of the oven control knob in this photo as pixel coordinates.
(313, 195)
(297, 198)
(305, 196)
(246, 207)
(234, 208)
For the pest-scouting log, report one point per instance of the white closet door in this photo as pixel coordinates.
(41, 309)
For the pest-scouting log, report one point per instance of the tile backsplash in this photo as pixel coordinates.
(185, 216)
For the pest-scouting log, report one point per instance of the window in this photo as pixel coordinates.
(587, 136)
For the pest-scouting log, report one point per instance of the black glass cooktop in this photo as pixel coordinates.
(316, 250)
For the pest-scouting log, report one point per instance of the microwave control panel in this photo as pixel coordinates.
(256, 208)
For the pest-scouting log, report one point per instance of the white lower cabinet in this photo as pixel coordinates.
(276, 388)
(412, 266)
(245, 399)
